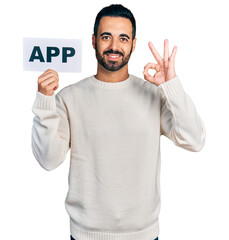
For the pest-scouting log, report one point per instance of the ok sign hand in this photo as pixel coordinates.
(165, 68)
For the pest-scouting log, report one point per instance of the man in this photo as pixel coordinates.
(112, 121)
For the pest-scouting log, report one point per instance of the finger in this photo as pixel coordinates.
(49, 71)
(147, 76)
(48, 81)
(51, 86)
(151, 66)
(154, 52)
(53, 71)
(173, 54)
(46, 76)
(166, 50)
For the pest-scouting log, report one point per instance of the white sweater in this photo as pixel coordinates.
(113, 130)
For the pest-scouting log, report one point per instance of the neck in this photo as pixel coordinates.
(108, 76)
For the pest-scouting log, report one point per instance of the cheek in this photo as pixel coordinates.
(101, 46)
(127, 49)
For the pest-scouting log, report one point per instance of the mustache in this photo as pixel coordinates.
(114, 52)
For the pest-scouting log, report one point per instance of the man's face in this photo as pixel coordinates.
(114, 43)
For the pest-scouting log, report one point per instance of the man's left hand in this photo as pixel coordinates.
(165, 68)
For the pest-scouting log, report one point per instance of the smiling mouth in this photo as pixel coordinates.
(113, 56)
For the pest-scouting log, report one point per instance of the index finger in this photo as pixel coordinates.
(49, 71)
(154, 52)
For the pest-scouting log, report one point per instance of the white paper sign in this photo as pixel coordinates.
(61, 55)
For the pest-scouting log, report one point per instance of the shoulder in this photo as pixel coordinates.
(144, 83)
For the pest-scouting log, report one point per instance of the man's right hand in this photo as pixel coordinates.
(48, 82)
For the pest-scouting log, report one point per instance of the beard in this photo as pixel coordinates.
(112, 65)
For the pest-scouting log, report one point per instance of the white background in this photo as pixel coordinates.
(194, 186)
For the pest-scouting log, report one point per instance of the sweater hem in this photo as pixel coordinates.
(80, 233)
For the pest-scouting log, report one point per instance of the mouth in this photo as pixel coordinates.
(113, 57)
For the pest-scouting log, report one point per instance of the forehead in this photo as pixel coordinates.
(115, 25)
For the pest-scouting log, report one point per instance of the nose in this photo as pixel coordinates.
(114, 44)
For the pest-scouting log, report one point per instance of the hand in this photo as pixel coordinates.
(48, 82)
(165, 67)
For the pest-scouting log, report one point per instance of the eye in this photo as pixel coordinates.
(124, 39)
(105, 37)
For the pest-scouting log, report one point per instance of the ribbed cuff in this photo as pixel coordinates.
(45, 102)
(171, 88)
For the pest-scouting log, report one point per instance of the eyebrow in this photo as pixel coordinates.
(121, 35)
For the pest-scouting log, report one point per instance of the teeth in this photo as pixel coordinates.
(113, 56)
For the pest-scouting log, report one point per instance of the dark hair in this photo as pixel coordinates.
(115, 10)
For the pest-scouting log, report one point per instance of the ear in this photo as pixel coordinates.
(134, 44)
(93, 40)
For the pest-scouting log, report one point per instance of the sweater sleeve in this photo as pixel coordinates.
(50, 130)
(180, 121)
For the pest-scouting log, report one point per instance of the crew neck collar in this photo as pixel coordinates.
(110, 85)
